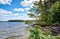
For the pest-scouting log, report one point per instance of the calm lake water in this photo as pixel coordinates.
(11, 29)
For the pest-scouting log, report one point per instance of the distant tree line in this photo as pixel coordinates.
(16, 20)
(26, 21)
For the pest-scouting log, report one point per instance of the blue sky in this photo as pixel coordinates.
(15, 9)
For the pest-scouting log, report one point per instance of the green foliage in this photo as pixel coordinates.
(36, 33)
(55, 12)
(29, 21)
(34, 13)
(31, 15)
(54, 7)
(47, 12)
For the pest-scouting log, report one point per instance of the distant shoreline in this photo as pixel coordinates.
(16, 20)
(3, 21)
(26, 21)
(8, 21)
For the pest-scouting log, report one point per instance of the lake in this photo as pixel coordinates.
(12, 29)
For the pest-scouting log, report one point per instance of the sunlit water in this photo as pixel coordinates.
(11, 29)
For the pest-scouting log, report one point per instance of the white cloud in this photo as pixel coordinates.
(8, 15)
(4, 14)
(2, 11)
(5, 2)
(28, 3)
(27, 8)
(19, 9)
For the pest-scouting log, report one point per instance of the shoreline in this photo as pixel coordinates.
(24, 36)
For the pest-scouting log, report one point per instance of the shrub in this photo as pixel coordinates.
(36, 33)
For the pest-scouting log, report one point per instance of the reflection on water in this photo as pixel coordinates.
(12, 29)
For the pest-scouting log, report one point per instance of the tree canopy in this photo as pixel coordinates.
(46, 11)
